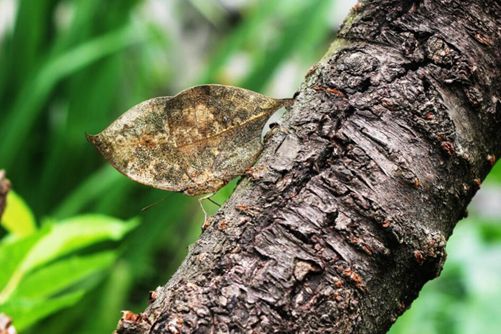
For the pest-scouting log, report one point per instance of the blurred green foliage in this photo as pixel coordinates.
(70, 67)
(465, 298)
(44, 269)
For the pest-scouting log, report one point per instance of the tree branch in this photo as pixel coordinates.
(347, 212)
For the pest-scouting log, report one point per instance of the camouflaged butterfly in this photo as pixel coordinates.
(194, 142)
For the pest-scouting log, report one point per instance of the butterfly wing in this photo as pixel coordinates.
(194, 142)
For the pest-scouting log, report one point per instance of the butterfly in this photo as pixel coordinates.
(194, 142)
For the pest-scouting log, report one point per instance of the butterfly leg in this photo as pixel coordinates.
(213, 201)
(200, 199)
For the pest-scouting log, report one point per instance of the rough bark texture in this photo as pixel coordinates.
(346, 214)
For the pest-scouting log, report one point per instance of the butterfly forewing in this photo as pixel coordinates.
(194, 142)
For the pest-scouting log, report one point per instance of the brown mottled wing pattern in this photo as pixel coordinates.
(194, 142)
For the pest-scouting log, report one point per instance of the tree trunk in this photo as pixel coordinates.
(347, 212)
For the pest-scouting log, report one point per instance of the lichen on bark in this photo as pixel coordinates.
(346, 214)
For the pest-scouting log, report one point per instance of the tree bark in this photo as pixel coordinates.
(347, 212)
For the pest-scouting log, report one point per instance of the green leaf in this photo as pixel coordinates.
(58, 240)
(75, 233)
(25, 312)
(60, 275)
(18, 218)
(12, 253)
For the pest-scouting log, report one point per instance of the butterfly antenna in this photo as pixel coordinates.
(149, 206)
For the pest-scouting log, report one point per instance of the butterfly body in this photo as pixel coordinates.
(194, 142)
